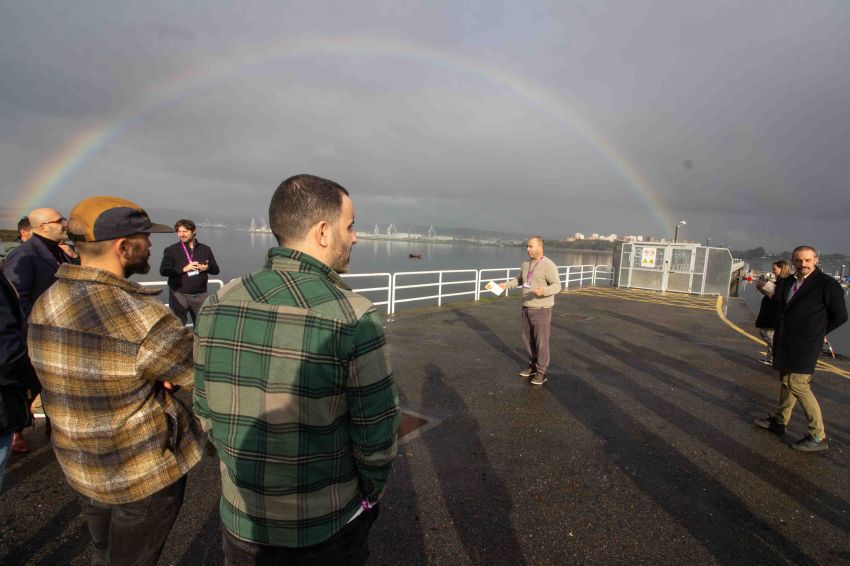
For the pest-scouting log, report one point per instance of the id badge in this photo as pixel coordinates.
(192, 273)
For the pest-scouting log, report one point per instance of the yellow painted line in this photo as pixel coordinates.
(647, 297)
(825, 366)
(732, 325)
(642, 292)
(686, 305)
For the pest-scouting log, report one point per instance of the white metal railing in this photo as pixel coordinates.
(608, 274)
(456, 282)
(507, 272)
(388, 288)
(439, 284)
(577, 275)
(218, 282)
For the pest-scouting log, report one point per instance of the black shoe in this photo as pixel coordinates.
(809, 444)
(528, 372)
(538, 379)
(770, 423)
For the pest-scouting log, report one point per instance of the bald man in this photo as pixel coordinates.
(31, 267)
(540, 283)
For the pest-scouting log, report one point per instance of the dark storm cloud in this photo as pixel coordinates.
(734, 113)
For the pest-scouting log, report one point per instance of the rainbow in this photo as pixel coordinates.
(53, 172)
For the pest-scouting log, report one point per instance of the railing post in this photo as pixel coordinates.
(389, 292)
(392, 295)
(567, 280)
(477, 285)
(593, 277)
(440, 290)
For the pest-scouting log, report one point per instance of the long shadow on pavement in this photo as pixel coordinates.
(698, 502)
(205, 548)
(727, 354)
(477, 501)
(820, 502)
(631, 354)
(486, 333)
(31, 465)
(396, 537)
(22, 552)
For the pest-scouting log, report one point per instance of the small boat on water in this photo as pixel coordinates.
(415, 256)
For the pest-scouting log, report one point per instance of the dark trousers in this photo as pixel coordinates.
(183, 304)
(348, 547)
(535, 336)
(132, 534)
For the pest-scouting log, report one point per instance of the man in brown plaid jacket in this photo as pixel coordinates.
(109, 355)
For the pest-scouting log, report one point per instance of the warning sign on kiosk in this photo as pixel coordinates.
(648, 257)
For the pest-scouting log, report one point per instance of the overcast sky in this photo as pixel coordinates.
(529, 117)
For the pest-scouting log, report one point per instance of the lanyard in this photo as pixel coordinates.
(191, 257)
(531, 269)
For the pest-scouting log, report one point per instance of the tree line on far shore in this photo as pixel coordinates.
(761, 253)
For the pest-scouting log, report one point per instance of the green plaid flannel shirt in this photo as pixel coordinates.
(294, 385)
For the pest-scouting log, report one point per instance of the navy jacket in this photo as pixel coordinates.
(31, 268)
(174, 260)
(18, 381)
(815, 310)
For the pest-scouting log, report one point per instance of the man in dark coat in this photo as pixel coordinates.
(31, 267)
(18, 382)
(812, 305)
(187, 264)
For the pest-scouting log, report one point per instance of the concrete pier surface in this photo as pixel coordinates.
(640, 448)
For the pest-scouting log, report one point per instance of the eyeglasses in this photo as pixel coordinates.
(60, 220)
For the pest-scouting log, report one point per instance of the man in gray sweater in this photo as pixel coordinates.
(540, 283)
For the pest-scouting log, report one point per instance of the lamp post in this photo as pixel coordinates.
(676, 232)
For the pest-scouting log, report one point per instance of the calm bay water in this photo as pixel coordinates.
(242, 252)
(238, 253)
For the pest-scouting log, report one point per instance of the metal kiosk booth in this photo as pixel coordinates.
(679, 268)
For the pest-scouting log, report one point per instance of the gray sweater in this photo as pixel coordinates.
(544, 275)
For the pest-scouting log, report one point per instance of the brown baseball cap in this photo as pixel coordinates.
(97, 219)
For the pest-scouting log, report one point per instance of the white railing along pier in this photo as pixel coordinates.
(417, 286)
(393, 289)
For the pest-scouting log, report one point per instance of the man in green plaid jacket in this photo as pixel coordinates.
(294, 385)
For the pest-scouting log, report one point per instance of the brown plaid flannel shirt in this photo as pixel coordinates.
(101, 346)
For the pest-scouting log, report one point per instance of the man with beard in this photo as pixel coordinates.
(293, 384)
(187, 264)
(811, 305)
(109, 356)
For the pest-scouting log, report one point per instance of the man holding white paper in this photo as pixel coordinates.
(540, 283)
